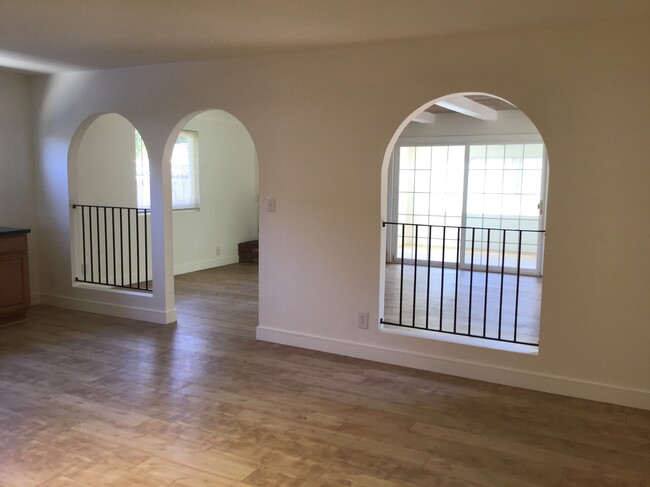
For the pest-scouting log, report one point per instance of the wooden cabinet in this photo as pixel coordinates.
(14, 276)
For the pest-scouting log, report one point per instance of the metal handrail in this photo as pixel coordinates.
(417, 235)
(119, 228)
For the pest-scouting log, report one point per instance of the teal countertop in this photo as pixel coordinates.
(9, 231)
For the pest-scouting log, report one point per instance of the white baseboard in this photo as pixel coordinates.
(566, 386)
(35, 298)
(205, 264)
(119, 310)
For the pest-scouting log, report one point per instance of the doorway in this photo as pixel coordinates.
(214, 182)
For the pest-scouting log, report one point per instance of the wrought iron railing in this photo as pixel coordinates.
(473, 281)
(114, 246)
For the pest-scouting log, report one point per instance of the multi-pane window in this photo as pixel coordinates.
(431, 182)
(185, 191)
(184, 171)
(464, 189)
(141, 173)
(505, 190)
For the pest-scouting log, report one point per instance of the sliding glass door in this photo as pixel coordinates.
(505, 190)
(481, 201)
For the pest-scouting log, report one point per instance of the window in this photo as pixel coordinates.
(184, 172)
(185, 190)
(485, 185)
(142, 173)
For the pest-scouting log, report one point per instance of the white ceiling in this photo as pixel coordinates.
(53, 35)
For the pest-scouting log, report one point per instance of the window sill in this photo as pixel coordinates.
(186, 210)
(461, 340)
(112, 290)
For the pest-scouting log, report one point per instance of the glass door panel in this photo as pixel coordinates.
(431, 180)
(504, 190)
(489, 186)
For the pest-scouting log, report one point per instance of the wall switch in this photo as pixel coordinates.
(218, 250)
(362, 320)
(270, 204)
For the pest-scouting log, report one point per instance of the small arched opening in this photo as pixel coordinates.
(111, 229)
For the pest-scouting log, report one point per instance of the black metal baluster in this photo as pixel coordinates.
(428, 277)
(456, 283)
(137, 245)
(401, 277)
(442, 272)
(113, 239)
(99, 248)
(128, 217)
(415, 274)
(90, 243)
(471, 283)
(146, 254)
(487, 269)
(517, 287)
(83, 236)
(106, 244)
(503, 264)
(122, 246)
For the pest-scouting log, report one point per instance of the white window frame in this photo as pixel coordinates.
(192, 203)
(142, 174)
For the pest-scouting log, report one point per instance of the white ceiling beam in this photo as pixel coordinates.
(461, 104)
(424, 117)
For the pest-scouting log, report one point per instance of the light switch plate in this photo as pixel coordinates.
(270, 204)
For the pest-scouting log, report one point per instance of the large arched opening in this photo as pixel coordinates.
(465, 184)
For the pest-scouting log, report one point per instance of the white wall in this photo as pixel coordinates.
(105, 163)
(321, 122)
(228, 196)
(17, 197)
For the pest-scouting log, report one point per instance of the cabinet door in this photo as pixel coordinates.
(14, 284)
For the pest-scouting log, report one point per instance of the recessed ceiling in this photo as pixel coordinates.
(55, 35)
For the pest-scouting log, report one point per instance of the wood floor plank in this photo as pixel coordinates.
(172, 473)
(191, 453)
(26, 462)
(62, 481)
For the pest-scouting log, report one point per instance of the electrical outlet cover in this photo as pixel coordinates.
(362, 320)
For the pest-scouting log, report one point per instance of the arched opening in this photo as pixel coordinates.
(111, 229)
(214, 182)
(466, 185)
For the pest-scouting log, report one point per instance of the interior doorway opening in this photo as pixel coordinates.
(215, 187)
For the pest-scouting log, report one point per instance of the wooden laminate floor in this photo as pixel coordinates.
(89, 400)
(494, 319)
(225, 298)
